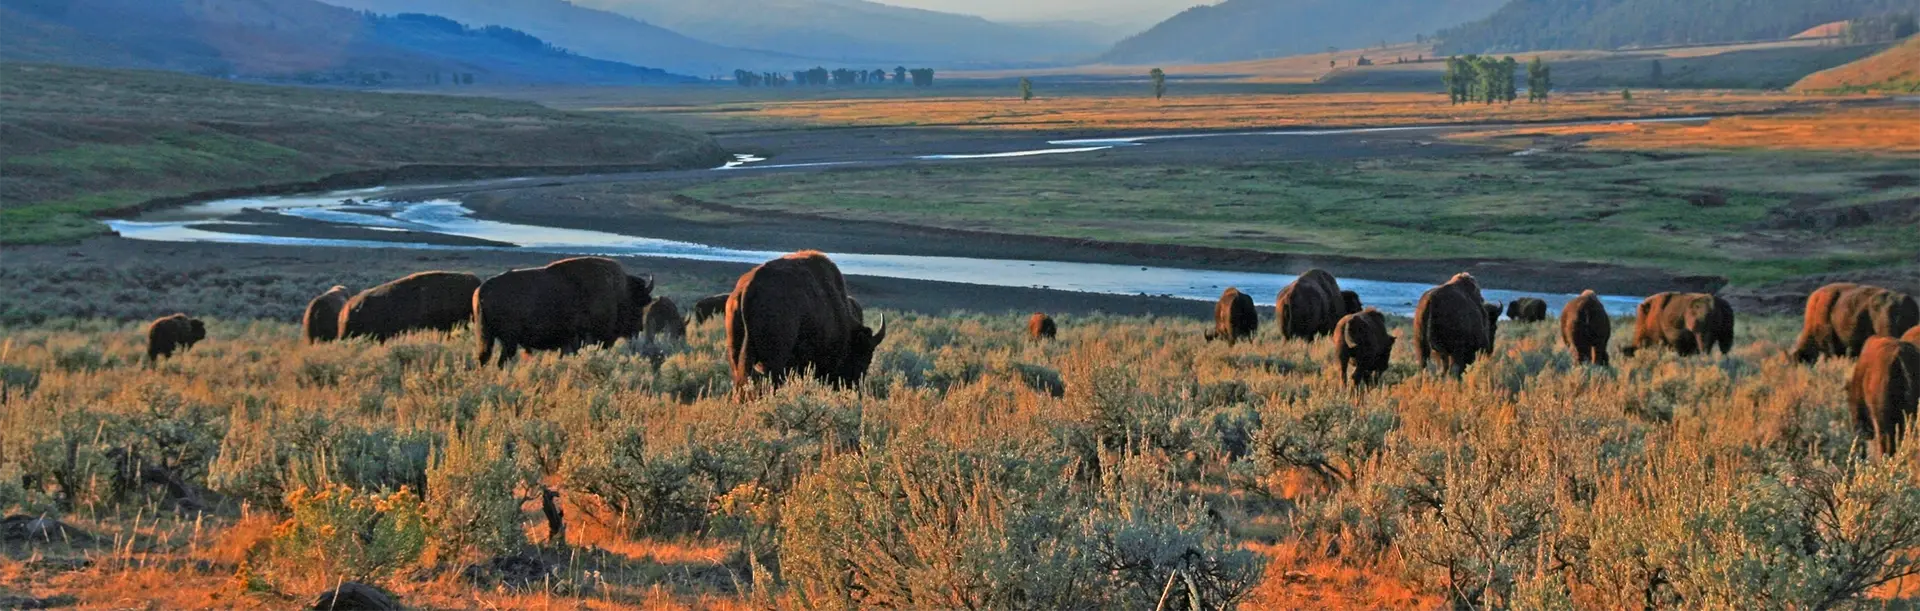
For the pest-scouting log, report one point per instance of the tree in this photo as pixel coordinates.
(1626, 95)
(1508, 92)
(1026, 89)
(1452, 78)
(1539, 80)
(1655, 74)
(899, 75)
(1159, 83)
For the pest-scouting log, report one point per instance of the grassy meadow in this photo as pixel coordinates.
(973, 469)
(1852, 130)
(79, 142)
(1751, 217)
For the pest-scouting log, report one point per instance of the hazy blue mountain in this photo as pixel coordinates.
(292, 40)
(593, 33)
(1249, 29)
(1526, 25)
(856, 31)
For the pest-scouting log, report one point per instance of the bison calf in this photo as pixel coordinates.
(1841, 316)
(1363, 343)
(1883, 390)
(1234, 317)
(663, 319)
(322, 320)
(1586, 329)
(1040, 327)
(1527, 309)
(170, 333)
(711, 306)
(1687, 323)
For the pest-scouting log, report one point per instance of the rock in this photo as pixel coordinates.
(30, 529)
(513, 571)
(29, 602)
(355, 596)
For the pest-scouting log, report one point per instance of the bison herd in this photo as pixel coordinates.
(793, 315)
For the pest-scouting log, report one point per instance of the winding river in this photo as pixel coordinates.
(223, 221)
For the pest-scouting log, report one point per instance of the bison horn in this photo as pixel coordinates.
(881, 335)
(648, 280)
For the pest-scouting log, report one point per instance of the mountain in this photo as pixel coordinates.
(849, 31)
(593, 33)
(1896, 69)
(292, 40)
(1529, 25)
(1251, 29)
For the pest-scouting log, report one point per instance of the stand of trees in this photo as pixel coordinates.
(1539, 80)
(843, 77)
(1477, 78)
(1887, 28)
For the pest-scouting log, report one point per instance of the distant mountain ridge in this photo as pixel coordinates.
(293, 40)
(857, 31)
(1251, 29)
(593, 33)
(1528, 25)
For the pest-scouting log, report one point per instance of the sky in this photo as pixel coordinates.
(1102, 11)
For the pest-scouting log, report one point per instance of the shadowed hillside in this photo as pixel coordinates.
(1528, 25)
(1248, 29)
(293, 41)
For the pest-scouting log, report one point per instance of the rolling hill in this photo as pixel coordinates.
(1895, 69)
(847, 31)
(593, 33)
(1249, 29)
(1529, 25)
(292, 41)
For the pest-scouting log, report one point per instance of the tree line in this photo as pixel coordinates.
(1484, 79)
(843, 77)
(1885, 28)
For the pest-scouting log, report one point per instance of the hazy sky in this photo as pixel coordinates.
(1107, 11)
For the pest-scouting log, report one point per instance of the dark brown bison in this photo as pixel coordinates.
(1352, 301)
(173, 332)
(1527, 309)
(1586, 329)
(1451, 322)
(1040, 327)
(322, 320)
(1885, 384)
(1492, 310)
(1311, 306)
(566, 305)
(711, 306)
(792, 314)
(663, 319)
(436, 301)
(1363, 342)
(1687, 323)
(1234, 317)
(1841, 316)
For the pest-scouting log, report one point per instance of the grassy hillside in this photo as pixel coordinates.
(79, 141)
(1896, 69)
(973, 469)
(1529, 25)
(1249, 29)
(293, 41)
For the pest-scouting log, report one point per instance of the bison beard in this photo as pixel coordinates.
(563, 306)
(1451, 323)
(1841, 316)
(1234, 317)
(1884, 389)
(1585, 328)
(793, 314)
(1311, 306)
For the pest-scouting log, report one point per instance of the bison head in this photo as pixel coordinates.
(860, 348)
(198, 331)
(1352, 302)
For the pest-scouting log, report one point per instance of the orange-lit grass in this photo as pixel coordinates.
(1876, 129)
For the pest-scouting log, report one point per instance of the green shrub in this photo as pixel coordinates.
(471, 502)
(337, 532)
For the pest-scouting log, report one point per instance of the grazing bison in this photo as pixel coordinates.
(1586, 329)
(322, 320)
(1234, 317)
(1451, 322)
(1885, 383)
(792, 314)
(1362, 341)
(1040, 327)
(1687, 323)
(1527, 309)
(173, 332)
(1311, 306)
(663, 318)
(564, 306)
(1841, 316)
(426, 300)
(1352, 301)
(710, 306)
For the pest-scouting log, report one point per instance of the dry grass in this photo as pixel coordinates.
(1896, 69)
(1884, 129)
(1218, 112)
